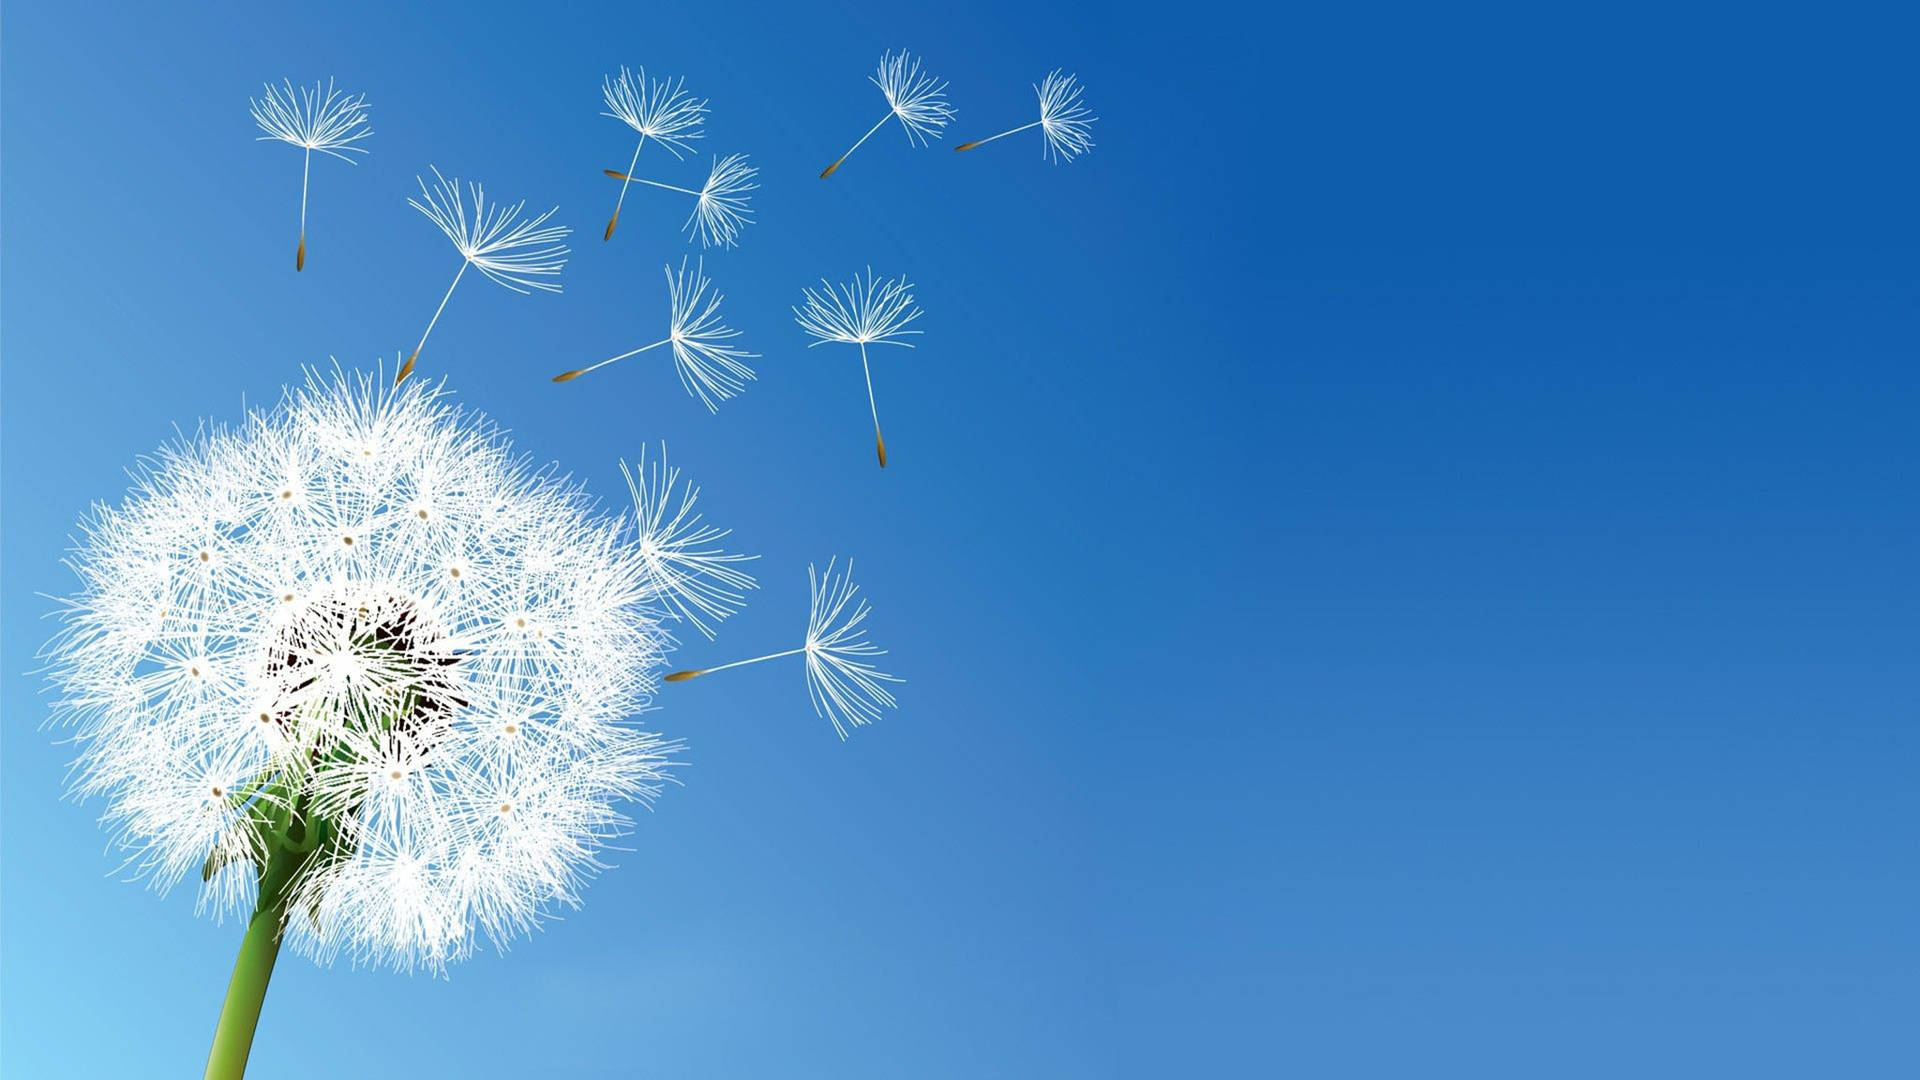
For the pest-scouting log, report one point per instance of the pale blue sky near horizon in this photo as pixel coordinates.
(1403, 556)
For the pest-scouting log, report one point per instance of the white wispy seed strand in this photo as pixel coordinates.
(863, 311)
(721, 210)
(710, 368)
(328, 121)
(492, 237)
(689, 572)
(659, 109)
(918, 99)
(845, 689)
(1064, 121)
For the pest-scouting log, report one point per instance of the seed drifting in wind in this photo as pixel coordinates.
(659, 110)
(709, 367)
(845, 689)
(720, 208)
(861, 312)
(919, 100)
(1063, 123)
(493, 240)
(687, 571)
(330, 122)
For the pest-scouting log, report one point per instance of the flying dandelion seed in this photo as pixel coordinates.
(690, 573)
(330, 122)
(845, 689)
(1064, 122)
(918, 100)
(709, 367)
(659, 110)
(720, 208)
(861, 312)
(493, 240)
(366, 674)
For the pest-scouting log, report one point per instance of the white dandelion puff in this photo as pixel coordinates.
(493, 239)
(660, 110)
(862, 312)
(328, 121)
(692, 576)
(846, 689)
(710, 367)
(720, 207)
(1064, 123)
(916, 99)
(369, 672)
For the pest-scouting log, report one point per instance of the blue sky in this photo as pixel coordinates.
(1403, 555)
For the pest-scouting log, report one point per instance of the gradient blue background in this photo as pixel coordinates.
(1404, 556)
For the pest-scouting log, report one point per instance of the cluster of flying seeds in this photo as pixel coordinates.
(866, 312)
(661, 110)
(919, 102)
(525, 254)
(362, 667)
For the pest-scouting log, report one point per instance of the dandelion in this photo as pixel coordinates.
(861, 312)
(844, 687)
(720, 206)
(369, 673)
(709, 367)
(659, 110)
(1063, 123)
(688, 571)
(491, 239)
(330, 122)
(918, 100)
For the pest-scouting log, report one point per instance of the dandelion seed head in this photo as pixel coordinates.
(519, 254)
(863, 311)
(365, 685)
(918, 99)
(328, 121)
(1064, 121)
(660, 109)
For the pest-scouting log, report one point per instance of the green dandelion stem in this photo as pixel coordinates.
(253, 968)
